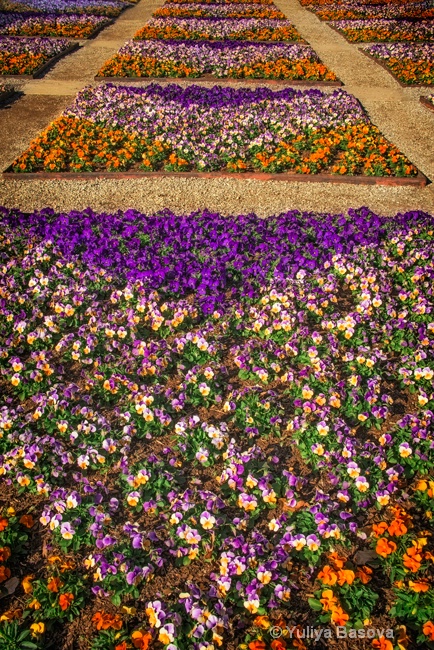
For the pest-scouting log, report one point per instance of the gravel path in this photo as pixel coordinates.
(395, 110)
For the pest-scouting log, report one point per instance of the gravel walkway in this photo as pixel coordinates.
(395, 110)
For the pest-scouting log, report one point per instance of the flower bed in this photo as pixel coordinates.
(365, 31)
(220, 2)
(410, 64)
(110, 8)
(216, 427)
(168, 128)
(29, 56)
(219, 11)
(234, 60)
(70, 26)
(217, 29)
(354, 10)
(320, 3)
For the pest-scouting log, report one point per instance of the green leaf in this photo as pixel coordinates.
(116, 599)
(315, 604)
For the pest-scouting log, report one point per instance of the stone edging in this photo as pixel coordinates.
(395, 181)
(426, 103)
(225, 80)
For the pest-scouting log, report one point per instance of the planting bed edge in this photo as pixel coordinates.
(395, 181)
(225, 80)
(426, 103)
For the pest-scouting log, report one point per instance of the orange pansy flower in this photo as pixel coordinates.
(397, 528)
(412, 559)
(27, 584)
(54, 585)
(403, 639)
(385, 547)
(337, 560)
(419, 585)
(27, 521)
(258, 644)
(105, 621)
(379, 529)
(339, 616)
(382, 644)
(399, 513)
(278, 644)
(328, 600)
(5, 573)
(364, 574)
(298, 644)
(327, 576)
(141, 639)
(428, 630)
(65, 600)
(346, 576)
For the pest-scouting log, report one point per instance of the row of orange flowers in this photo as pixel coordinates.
(71, 144)
(131, 66)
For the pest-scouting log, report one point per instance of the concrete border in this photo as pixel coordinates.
(226, 80)
(423, 100)
(395, 181)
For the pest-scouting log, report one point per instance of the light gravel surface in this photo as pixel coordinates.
(395, 110)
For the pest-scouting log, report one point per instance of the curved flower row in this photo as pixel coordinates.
(355, 3)
(176, 129)
(232, 59)
(97, 7)
(219, 11)
(359, 31)
(206, 414)
(69, 26)
(247, 29)
(350, 11)
(24, 56)
(411, 64)
(220, 2)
